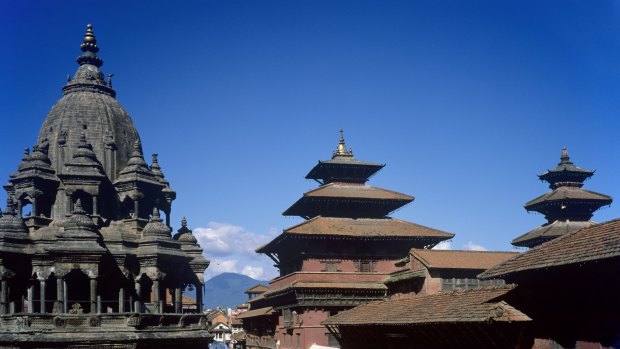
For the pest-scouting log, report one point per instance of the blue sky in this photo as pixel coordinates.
(464, 101)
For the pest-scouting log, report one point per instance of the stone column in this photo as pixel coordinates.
(95, 205)
(19, 208)
(65, 296)
(3, 296)
(156, 295)
(121, 300)
(136, 208)
(199, 297)
(30, 300)
(136, 306)
(167, 217)
(69, 205)
(178, 300)
(59, 295)
(35, 211)
(42, 283)
(93, 295)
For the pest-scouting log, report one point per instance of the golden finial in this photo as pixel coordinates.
(564, 157)
(342, 148)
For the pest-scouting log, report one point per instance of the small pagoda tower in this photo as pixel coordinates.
(339, 256)
(567, 207)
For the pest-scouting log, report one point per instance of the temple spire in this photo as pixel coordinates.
(564, 159)
(341, 150)
(90, 49)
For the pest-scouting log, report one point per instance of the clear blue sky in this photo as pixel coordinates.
(465, 101)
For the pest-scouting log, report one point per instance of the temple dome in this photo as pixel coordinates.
(89, 107)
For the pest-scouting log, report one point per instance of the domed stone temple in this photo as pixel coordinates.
(83, 246)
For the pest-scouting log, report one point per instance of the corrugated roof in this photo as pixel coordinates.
(549, 232)
(601, 241)
(365, 227)
(475, 305)
(454, 259)
(257, 312)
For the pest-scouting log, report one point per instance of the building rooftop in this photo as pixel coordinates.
(362, 228)
(549, 232)
(476, 305)
(454, 259)
(595, 243)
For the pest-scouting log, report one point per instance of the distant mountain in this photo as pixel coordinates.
(226, 290)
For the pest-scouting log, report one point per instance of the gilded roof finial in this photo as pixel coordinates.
(564, 159)
(342, 148)
(89, 47)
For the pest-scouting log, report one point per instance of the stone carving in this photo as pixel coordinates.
(59, 322)
(93, 321)
(76, 308)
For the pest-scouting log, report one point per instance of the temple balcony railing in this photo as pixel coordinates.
(262, 342)
(139, 321)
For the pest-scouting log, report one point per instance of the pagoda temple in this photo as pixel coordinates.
(337, 258)
(567, 207)
(83, 245)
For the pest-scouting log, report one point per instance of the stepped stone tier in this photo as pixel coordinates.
(83, 246)
(336, 259)
(567, 207)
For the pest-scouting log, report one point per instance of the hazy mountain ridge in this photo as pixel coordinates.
(226, 290)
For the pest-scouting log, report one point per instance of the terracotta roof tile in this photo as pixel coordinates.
(257, 289)
(454, 259)
(549, 231)
(328, 285)
(365, 227)
(571, 193)
(257, 312)
(475, 305)
(594, 243)
(356, 191)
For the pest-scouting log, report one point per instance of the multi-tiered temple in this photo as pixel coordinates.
(567, 207)
(338, 258)
(83, 247)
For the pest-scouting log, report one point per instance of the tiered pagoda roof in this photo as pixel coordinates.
(567, 207)
(343, 208)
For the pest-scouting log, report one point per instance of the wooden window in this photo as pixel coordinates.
(330, 266)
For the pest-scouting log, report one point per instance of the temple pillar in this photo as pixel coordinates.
(42, 293)
(93, 295)
(136, 208)
(121, 300)
(199, 297)
(59, 295)
(156, 296)
(35, 211)
(167, 218)
(19, 208)
(69, 205)
(3, 296)
(136, 307)
(30, 301)
(95, 205)
(178, 300)
(65, 296)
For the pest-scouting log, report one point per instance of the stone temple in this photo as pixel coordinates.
(86, 260)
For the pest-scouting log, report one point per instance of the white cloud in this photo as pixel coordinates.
(231, 248)
(471, 246)
(253, 272)
(444, 245)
